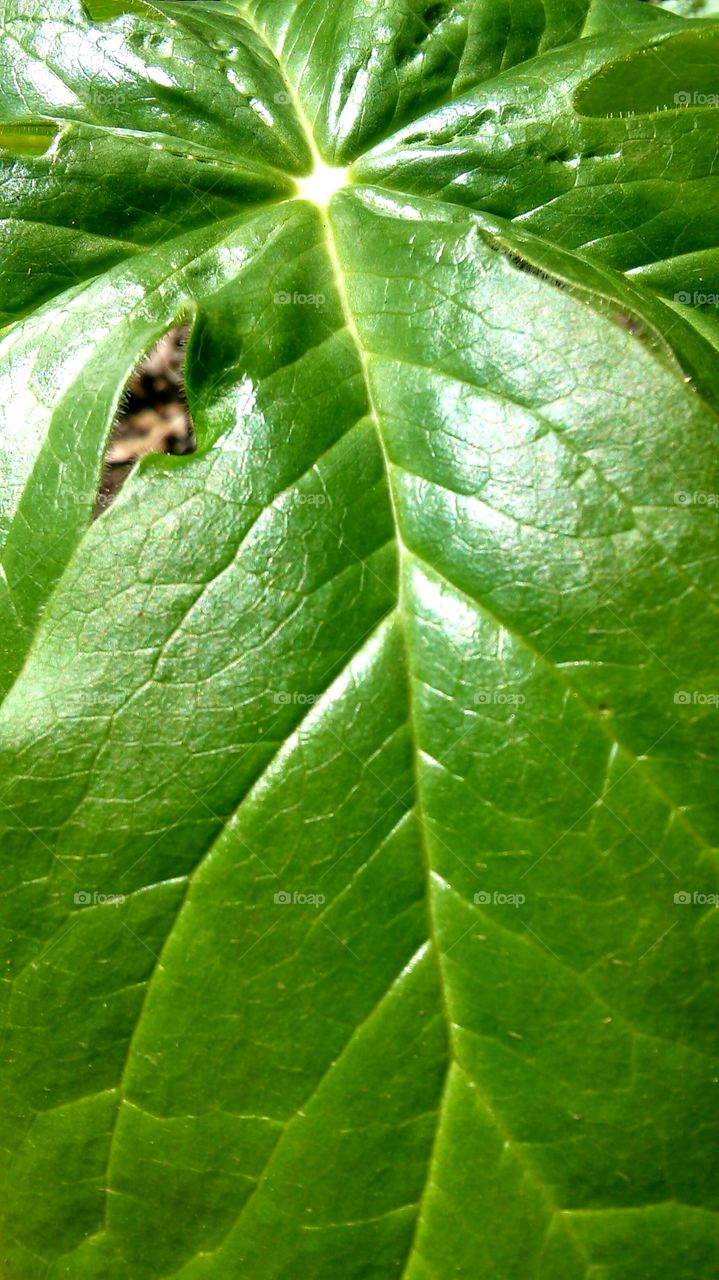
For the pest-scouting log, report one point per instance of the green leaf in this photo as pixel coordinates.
(358, 789)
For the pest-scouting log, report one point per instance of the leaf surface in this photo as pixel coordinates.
(358, 797)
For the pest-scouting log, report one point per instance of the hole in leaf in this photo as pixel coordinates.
(153, 415)
(28, 137)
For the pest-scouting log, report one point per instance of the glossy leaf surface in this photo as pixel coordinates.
(358, 791)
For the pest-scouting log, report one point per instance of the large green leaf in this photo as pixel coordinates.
(358, 789)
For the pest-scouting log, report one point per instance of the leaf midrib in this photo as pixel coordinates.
(402, 610)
